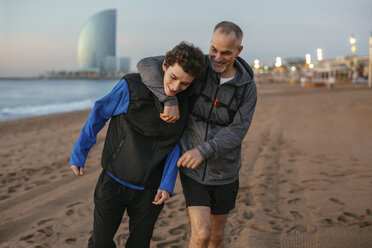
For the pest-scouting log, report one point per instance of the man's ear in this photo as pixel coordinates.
(164, 66)
(239, 50)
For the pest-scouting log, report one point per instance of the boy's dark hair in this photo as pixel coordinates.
(189, 57)
(228, 27)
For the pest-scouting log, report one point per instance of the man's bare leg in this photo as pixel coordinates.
(200, 220)
(218, 222)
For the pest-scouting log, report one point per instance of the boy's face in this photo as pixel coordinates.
(175, 79)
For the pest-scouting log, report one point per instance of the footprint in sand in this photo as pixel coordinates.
(276, 226)
(327, 222)
(171, 204)
(179, 230)
(3, 197)
(342, 219)
(73, 204)
(172, 214)
(365, 224)
(40, 182)
(27, 238)
(354, 216)
(296, 215)
(336, 201)
(170, 243)
(297, 229)
(69, 212)
(47, 231)
(248, 214)
(283, 181)
(294, 201)
(164, 223)
(70, 241)
(296, 190)
(42, 246)
(158, 238)
(13, 189)
(47, 170)
(348, 218)
(44, 221)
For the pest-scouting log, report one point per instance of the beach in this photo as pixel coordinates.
(305, 181)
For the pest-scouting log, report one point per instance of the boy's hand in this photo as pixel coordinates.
(79, 171)
(171, 114)
(161, 197)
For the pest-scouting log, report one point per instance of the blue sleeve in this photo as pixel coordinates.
(170, 170)
(114, 103)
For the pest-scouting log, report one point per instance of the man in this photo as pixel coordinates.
(211, 143)
(140, 152)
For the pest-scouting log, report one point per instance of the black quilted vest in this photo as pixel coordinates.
(138, 142)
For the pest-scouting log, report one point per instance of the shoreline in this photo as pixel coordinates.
(262, 90)
(44, 116)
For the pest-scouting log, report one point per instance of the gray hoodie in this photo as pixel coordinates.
(210, 129)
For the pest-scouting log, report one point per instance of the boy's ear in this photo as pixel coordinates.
(164, 66)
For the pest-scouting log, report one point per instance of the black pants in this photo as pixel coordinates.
(111, 199)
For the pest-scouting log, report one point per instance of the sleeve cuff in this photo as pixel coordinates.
(171, 102)
(205, 150)
(169, 190)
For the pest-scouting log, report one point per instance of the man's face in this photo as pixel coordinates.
(175, 79)
(223, 50)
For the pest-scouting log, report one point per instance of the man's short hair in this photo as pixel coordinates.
(189, 57)
(227, 27)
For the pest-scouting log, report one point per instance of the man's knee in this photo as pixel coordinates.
(202, 235)
(216, 239)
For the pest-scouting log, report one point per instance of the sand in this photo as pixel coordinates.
(306, 177)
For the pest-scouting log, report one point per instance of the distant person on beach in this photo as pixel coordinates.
(141, 151)
(211, 143)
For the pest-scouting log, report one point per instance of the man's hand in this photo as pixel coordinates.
(161, 197)
(190, 159)
(171, 114)
(79, 171)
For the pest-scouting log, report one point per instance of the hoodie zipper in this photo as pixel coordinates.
(206, 132)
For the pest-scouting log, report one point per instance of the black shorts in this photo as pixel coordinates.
(220, 198)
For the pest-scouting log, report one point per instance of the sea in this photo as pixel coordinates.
(28, 98)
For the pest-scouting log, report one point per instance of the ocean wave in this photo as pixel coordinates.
(11, 113)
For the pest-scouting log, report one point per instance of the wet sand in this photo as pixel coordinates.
(306, 177)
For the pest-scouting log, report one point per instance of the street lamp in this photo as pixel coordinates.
(278, 62)
(256, 64)
(308, 59)
(352, 41)
(319, 54)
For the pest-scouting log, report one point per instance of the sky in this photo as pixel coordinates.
(42, 35)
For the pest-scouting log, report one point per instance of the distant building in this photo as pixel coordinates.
(341, 69)
(124, 64)
(110, 63)
(116, 64)
(97, 40)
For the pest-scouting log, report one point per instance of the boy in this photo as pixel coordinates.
(140, 152)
